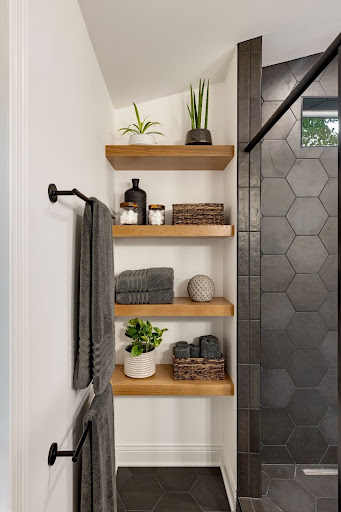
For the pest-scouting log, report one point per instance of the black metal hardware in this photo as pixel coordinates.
(54, 193)
(325, 59)
(54, 453)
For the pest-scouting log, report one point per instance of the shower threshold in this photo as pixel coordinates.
(320, 471)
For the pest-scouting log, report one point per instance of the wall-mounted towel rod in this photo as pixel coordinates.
(54, 453)
(54, 193)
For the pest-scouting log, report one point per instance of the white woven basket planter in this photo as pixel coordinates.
(142, 139)
(139, 367)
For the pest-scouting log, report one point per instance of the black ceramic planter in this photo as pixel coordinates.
(199, 137)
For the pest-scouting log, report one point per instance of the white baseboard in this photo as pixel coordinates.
(179, 455)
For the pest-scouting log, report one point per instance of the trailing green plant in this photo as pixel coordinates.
(144, 336)
(141, 126)
(195, 110)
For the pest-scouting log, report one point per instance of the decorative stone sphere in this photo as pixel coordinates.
(201, 288)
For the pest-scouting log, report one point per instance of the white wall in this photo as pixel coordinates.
(70, 120)
(192, 427)
(4, 255)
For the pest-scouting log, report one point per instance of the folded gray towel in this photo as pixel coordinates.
(98, 473)
(96, 349)
(182, 350)
(154, 297)
(145, 280)
(195, 350)
(210, 347)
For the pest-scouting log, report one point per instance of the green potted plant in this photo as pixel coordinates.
(139, 134)
(139, 356)
(198, 135)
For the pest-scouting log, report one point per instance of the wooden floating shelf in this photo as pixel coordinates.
(169, 158)
(182, 306)
(163, 384)
(170, 231)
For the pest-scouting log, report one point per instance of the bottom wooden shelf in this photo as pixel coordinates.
(163, 384)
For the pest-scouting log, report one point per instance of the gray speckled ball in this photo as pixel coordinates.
(201, 288)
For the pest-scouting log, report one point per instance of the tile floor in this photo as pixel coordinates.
(286, 488)
(171, 490)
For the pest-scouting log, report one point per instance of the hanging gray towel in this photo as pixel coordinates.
(145, 280)
(96, 349)
(98, 474)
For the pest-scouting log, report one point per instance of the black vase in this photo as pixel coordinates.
(137, 195)
(199, 137)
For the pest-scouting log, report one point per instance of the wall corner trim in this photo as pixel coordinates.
(18, 257)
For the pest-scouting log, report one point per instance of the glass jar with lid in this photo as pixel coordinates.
(156, 215)
(128, 213)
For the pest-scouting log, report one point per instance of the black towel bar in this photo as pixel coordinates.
(54, 193)
(54, 453)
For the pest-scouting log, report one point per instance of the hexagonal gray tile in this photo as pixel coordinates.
(274, 89)
(329, 79)
(277, 158)
(307, 177)
(329, 161)
(277, 197)
(294, 141)
(286, 494)
(307, 446)
(307, 407)
(328, 388)
(276, 388)
(277, 349)
(177, 501)
(307, 330)
(176, 479)
(276, 273)
(307, 254)
(141, 492)
(328, 235)
(209, 492)
(277, 235)
(300, 67)
(328, 196)
(283, 126)
(329, 311)
(307, 368)
(307, 292)
(276, 311)
(328, 349)
(328, 273)
(328, 426)
(276, 426)
(307, 216)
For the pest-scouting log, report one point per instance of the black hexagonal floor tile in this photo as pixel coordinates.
(177, 501)
(176, 479)
(140, 492)
(123, 474)
(209, 492)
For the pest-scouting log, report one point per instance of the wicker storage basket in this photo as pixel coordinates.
(198, 368)
(198, 213)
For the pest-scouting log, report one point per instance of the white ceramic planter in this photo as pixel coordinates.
(139, 367)
(142, 139)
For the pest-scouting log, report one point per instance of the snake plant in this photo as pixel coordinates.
(141, 126)
(195, 112)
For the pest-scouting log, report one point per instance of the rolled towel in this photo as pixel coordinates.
(145, 280)
(195, 350)
(182, 350)
(210, 347)
(155, 297)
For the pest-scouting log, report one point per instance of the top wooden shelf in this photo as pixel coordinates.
(169, 158)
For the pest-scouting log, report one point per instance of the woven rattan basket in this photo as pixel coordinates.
(198, 213)
(198, 368)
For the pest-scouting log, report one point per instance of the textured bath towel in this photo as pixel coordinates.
(96, 349)
(145, 280)
(210, 347)
(195, 350)
(182, 350)
(98, 474)
(154, 297)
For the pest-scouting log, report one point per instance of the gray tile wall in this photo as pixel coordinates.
(249, 122)
(298, 279)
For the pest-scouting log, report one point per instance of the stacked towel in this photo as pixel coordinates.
(182, 350)
(146, 286)
(98, 475)
(210, 347)
(195, 350)
(96, 350)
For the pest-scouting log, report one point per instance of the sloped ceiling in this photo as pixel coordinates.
(148, 49)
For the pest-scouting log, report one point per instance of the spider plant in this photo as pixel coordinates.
(195, 111)
(140, 127)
